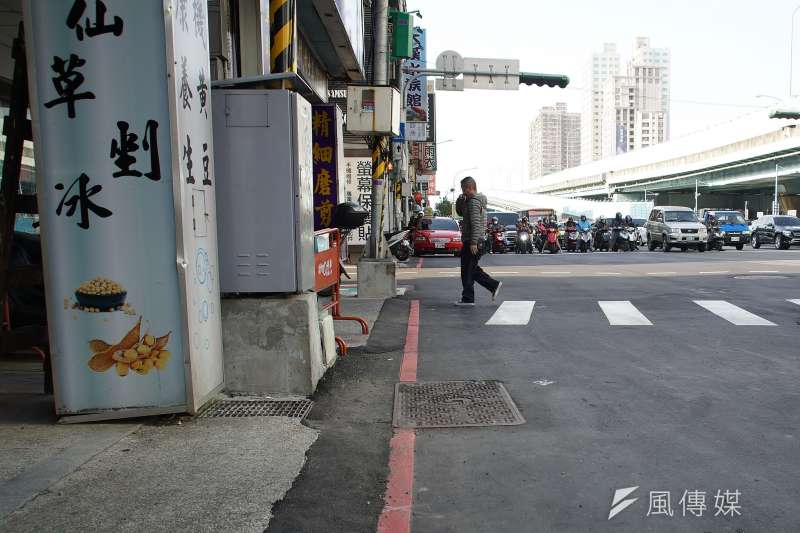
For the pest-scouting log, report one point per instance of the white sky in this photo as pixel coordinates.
(724, 52)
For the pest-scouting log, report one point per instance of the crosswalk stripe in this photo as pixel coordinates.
(512, 313)
(623, 313)
(733, 314)
(794, 301)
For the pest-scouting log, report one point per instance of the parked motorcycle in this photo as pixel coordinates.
(551, 241)
(524, 244)
(399, 244)
(585, 240)
(571, 239)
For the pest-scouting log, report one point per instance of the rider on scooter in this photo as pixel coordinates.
(632, 228)
(616, 224)
(493, 228)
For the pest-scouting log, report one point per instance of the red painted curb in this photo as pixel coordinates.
(408, 370)
(396, 514)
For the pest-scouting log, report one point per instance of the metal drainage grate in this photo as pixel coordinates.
(247, 408)
(441, 404)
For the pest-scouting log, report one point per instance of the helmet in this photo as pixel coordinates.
(494, 220)
(570, 219)
(628, 218)
(618, 216)
(525, 219)
(583, 218)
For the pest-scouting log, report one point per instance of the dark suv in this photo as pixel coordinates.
(782, 231)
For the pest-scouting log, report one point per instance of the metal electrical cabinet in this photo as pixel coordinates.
(263, 164)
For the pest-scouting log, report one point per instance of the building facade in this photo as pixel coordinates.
(554, 141)
(631, 110)
(600, 68)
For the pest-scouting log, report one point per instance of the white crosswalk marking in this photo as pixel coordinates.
(733, 314)
(512, 313)
(623, 313)
(794, 301)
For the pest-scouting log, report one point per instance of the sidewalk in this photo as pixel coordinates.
(161, 474)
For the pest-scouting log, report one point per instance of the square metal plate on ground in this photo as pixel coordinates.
(443, 404)
(245, 408)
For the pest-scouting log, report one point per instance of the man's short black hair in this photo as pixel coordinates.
(469, 181)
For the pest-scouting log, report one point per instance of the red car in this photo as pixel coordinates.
(437, 235)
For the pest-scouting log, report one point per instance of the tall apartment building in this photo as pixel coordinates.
(624, 112)
(554, 141)
(601, 67)
(646, 56)
(636, 105)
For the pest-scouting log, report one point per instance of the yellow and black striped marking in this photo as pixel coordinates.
(282, 16)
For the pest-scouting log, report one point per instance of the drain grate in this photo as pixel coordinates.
(246, 408)
(441, 404)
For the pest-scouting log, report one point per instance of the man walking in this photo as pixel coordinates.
(472, 206)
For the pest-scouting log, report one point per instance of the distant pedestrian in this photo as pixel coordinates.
(472, 206)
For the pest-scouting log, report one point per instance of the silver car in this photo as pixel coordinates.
(675, 227)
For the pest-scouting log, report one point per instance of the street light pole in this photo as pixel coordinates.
(775, 197)
(695, 196)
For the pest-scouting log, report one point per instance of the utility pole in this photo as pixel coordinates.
(696, 194)
(380, 68)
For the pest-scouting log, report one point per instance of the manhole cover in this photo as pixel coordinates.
(442, 404)
(246, 408)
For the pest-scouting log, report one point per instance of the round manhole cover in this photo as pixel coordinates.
(759, 277)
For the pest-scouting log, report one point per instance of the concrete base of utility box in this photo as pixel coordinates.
(272, 345)
(377, 278)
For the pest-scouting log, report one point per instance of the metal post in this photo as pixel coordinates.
(695, 196)
(380, 69)
(775, 198)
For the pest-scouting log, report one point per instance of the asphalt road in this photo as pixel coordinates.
(690, 402)
(701, 396)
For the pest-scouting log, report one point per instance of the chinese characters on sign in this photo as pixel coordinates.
(358, 189)
(417, 89)
(324, 152)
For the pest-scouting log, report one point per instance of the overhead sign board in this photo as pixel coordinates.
(491, 74)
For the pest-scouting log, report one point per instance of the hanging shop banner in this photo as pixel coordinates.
(101, 119)
(417, 88)
(358, 189)
(194, 187)
(424, 131)
(326, 138)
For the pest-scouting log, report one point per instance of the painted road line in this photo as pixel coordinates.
(797, 302)
(398, 499)
(502, 273)
(765, 272)
(608, 273)
(546, 272)
(623, 313)
(661, 273)
(733, 314)
(512, 313)
(716, 272)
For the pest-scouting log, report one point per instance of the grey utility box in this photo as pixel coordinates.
(263, 164)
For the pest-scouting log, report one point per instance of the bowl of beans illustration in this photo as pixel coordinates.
(100, 294)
